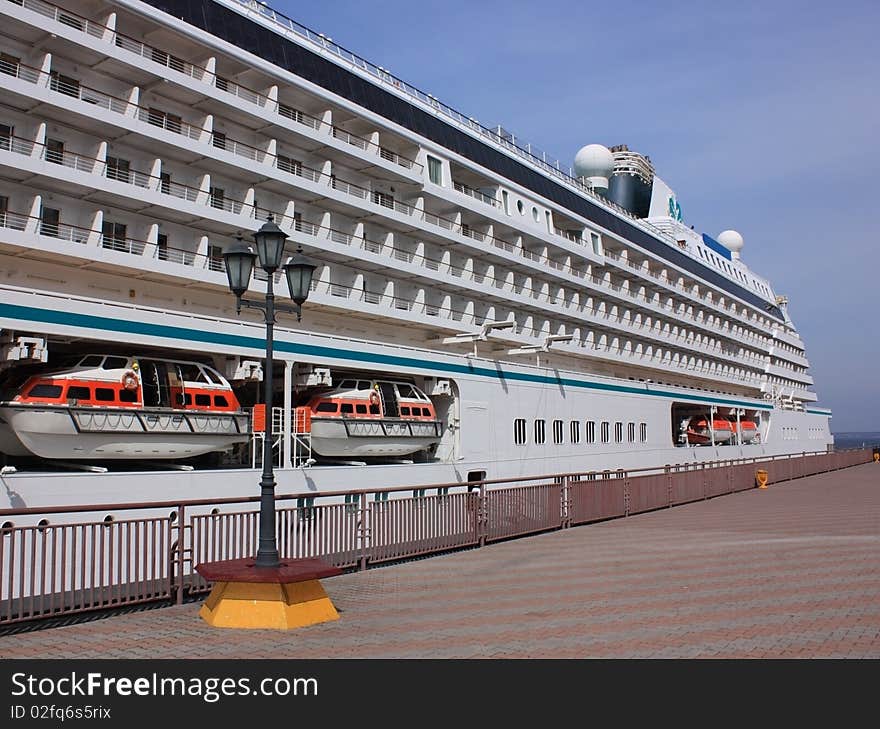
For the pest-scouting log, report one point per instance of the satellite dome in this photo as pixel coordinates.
(595, 162)
(732, 241)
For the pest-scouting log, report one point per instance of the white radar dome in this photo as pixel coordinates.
(731, 240)
(595, 162)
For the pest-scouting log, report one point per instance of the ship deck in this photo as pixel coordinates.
(792, 571)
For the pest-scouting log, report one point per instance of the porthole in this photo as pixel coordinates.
(172, 517)
(108, 520)
(6, 529)
(535, 216)
(520, 207)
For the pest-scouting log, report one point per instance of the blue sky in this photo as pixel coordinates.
(762, 116)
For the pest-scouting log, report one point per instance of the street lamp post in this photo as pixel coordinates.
(240, 260)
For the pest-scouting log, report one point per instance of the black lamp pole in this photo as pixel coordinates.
(240, 259)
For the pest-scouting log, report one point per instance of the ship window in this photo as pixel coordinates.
(6, 134)
(162, 247)
(114, 235)
(605, 430)
(220, 401)
(288, 164)
(519, 431)
(405, 411)
(180, 399)
(64, 84)
(590, 431)
(104, 394)
(557, 431)
(575, 427)
(49, 391)
(435, 170)
(535, 215)
(643, 432)
(159, 118)
(618, 432)
(218, 197)
(374, 409)
(347, 385)
(406, 391)
(539, 432)
(9, 64)
(363, 385)
(50, 221)
(118, 169)
(203, 400)
(631, 432)
(218, 139)
(520, 207)
(55, 151)
(212, 376)
(76, 392)
(114, 363)
(327, 407)
(128, 395)
(347, 408)
(93, 360)
(191, 373)
(505, 201)
(360, 409)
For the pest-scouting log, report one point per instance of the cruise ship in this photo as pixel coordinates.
(478, 310)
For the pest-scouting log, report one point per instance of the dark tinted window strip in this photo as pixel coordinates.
(272, 47)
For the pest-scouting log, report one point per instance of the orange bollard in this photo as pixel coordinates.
(761, 478)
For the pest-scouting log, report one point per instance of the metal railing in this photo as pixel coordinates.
(147, 552)
(66, 17)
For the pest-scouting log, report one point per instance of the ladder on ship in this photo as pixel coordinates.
(300, 437)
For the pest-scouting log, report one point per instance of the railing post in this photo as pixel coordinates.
(667, 469)
(364, 531)
(181, 536)
(482, 520)
(565, 506)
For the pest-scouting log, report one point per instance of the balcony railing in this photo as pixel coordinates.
(476, 194)
(63, 16)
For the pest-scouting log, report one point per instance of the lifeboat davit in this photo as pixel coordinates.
(363, 418)
(703, 431)
(120, 407)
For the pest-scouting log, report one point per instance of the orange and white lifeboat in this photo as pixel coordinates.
(748, 429)
(370, 418)
(121, 407)
(703, 431)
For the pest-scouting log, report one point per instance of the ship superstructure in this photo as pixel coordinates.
(555, 318)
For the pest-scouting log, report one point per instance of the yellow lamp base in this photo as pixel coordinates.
(267, 605)
(761, 477)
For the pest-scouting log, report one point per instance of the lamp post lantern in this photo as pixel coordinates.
(240, 261)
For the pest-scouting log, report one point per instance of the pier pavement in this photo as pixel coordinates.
(792, 571)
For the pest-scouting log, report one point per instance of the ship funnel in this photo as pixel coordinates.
(593, 165)
(631, 181)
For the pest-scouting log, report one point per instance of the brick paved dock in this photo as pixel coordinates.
(788, 572)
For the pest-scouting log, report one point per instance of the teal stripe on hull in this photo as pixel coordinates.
(87, 321)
